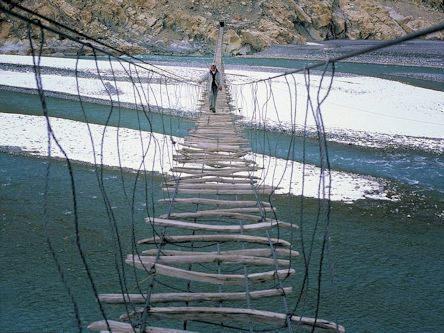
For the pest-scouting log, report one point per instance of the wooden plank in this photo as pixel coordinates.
(207, 137)
(222, 186)
(233, 214)
(214, 227)
(193, 297)
(218, 279)
(216, 180)
(213, 147)
(191, 158)
(242, 151)
(216, 238)
(267, 251)
(230, 170)
(210, 157)
(204, 201)
(211, 258)
(203, 153)
(215, 160)
(210, 174)
(234, 148)
(218, 314)
(119, 327)
(215, 192)
(240, 210)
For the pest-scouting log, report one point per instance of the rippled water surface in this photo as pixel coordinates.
(387, 257)
(384, 271)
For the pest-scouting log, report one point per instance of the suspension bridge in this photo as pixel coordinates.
(219, 255)
(211, 177)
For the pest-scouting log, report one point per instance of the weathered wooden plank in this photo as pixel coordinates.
(189, 157)
(200, 153)
(194, 297)
(218, 279)
(216, 238)
(214, 227)
(222, 186)
(214, 147)
(239, 210)
(228, 170)
(216, 180)
(211, 258)
(233, 214)
(227, 139)
(215, 160)
(119, 327)
(210, 174)
(267, 251)
(220, 147)
(200, 158)
(197, 191)
(238, 314)
(217, 202)
(242, 151)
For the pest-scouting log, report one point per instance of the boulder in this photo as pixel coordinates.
(366, 19)
(232, 42)
(257, 40)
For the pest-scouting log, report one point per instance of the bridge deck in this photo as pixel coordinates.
(208, 210)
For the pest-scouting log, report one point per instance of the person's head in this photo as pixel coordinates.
(213, 68)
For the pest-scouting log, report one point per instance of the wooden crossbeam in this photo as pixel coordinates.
(242, 151)
(193, 297)
(214, 180)
(238, 314)
(119, 327)
(221, 192)
(218, 228)
(216, 174)
(218, 279)
(217, 202)
(240, 210)
(267, 251)
(212, 258)
(216, 171)
(224, 186)
(217, 238)
(233, 213)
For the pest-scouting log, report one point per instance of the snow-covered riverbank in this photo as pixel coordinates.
(359, 110)
(140, 150)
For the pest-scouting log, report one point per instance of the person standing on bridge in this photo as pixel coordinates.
(215, 83)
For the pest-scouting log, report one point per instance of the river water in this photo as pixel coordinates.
(386, 257)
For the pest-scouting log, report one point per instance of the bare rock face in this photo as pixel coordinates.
(232, 41)
(190, 26)
(369, 20)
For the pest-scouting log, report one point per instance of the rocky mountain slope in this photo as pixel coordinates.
(190, 26)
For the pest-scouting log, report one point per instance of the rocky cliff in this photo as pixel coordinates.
(190, 26)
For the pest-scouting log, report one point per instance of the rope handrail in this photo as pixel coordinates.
(39, 24)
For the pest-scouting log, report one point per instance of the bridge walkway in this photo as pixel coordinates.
(220, 240)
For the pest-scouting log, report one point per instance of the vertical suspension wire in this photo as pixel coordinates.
(326, 234)
(52, 137)
(36, 59)
(144, 167)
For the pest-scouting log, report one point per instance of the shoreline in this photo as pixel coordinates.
(418, 53)
(366, 140)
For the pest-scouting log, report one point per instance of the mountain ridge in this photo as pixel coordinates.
(190, 26)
